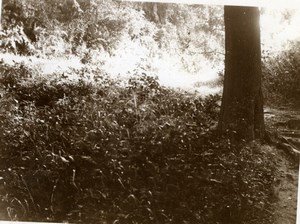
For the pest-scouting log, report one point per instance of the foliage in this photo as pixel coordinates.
(101, 151)
(192, 33)
(52, 42)
(60, 28)
(281, 76)
(15, 40)
(58, 24)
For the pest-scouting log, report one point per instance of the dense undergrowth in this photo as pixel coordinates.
(106, 151)
(281, 77)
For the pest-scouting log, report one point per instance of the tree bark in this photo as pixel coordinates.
(156, 12)
(0, 15)
(242, 101)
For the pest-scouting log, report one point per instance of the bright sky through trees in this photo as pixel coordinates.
(278, 26)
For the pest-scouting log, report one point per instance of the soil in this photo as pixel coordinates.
(286, 124)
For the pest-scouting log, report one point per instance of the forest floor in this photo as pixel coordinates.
(283, 121)
(286, 123)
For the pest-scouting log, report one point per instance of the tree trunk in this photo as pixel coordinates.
(0, 15)
(156, 12)
(242, 101)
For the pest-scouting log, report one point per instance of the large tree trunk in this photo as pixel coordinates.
(242, 102)
(0, 15)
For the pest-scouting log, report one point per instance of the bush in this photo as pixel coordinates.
(15, 40)
(55, 28)
(281, 76)
(102, 152)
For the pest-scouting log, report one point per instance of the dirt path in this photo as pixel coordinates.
(287, 124)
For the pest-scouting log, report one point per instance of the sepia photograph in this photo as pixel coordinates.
(149, 112)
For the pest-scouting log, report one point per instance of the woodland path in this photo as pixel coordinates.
(286, 123)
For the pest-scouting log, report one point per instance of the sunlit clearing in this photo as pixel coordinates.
(47, 66)
(133, 57)
(171, 74)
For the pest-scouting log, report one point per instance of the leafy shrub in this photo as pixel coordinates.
(52, 42)
(60, 28)
(15, 40)
(282, 76)
(99, 151)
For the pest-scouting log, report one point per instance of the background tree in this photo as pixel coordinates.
(242, 102)
(156, 12)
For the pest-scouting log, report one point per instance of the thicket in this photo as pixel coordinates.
(82, 28)
(105, 151)
(281, 77)
(61, 28)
